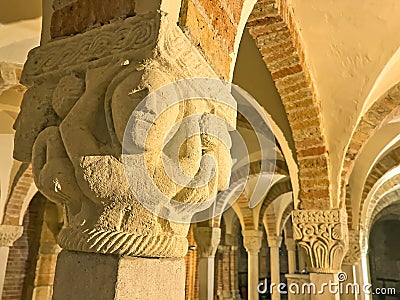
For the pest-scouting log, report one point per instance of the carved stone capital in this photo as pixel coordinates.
(364, 237)
(323, 234)
(353, 255)
(252, 240)
(230, 239)
(207, 240)
(274, 241)
(290, 244)
(10, 74)
(9, 234)
(83, 90)
(224, 249)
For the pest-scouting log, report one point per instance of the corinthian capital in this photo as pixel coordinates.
(324, 236)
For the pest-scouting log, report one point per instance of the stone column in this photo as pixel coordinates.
(231, 241)
(207, 240)
(291, 250)
(324, 236)
(351, 287)
(274, 243)
(8, 235)
(365, 276)
(98, 146)
(349, 283)
(252, 243)
(226, 274)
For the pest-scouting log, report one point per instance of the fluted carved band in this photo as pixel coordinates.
(123, 243)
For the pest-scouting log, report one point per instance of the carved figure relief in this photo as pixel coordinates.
(83, 92)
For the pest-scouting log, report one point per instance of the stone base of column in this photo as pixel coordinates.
(327, 286)
(295, 283)
(92, 276)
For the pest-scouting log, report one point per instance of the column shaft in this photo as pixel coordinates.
(207, 240)
(252, 243)
(252, 275)
(348, 293)
(291, 250)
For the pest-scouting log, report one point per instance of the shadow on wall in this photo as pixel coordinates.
(384, 255)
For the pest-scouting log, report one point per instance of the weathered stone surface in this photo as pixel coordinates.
(86, 276)
(76, 17)
(88, 86)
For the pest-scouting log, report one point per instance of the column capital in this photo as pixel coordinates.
(353, 255)
(290, 244)
(207, 240)
(95, 87)
(9, 76)
(252, 240)
(324, 236)
(230, 240)
(274, 241)
(9, 234)
(224, 249)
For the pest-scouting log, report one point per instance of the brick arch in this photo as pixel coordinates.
(377, 197)
(377, 115)
(22, 193)
(288, 228)
(384, 203)
(238, 180)
(272, 27)
(381, 167)
(390, 212)
(245, 214)
(270, 220)
(281, 187)
(286, 216)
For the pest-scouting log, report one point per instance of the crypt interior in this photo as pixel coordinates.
(77, 120)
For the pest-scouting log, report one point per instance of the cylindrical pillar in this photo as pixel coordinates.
(207, 240)
(291, 250)
(274, 243)
(252, 243)
(350, 289)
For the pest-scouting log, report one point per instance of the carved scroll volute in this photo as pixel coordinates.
(83, 90)
(324, 236)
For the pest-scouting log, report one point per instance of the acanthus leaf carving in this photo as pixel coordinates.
(323, 234)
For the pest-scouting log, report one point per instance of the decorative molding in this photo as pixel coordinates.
(129, 38)
(123, 243)
(324, 236)
(9, 234)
